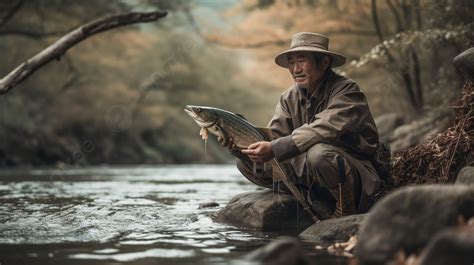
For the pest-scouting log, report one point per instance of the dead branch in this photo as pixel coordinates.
(57, 49)
(396, 15)
(11, 13)
(401, 68)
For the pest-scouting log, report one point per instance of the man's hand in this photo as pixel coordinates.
(229, 144)
(259, 152)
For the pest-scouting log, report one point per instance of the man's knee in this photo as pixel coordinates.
(320, 155)
(321, 163)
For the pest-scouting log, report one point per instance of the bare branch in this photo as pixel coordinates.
(57, 49)
(407, 14)
(402, 68)
(192, 21)
(417, 7)
(11, 13)
(396, 14)
(73, 79)
(417, 77)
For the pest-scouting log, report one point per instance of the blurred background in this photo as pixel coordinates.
(118, 97)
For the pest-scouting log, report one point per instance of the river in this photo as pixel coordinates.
(124, 215)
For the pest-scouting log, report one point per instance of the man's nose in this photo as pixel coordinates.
(295, 68)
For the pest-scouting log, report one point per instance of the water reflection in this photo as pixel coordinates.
(139, 215)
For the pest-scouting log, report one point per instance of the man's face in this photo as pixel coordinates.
(304, 69)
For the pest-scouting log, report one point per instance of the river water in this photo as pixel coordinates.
(124, 215)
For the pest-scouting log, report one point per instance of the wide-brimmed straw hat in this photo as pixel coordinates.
(310, 42)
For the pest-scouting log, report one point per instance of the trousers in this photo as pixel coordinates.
(316, 174)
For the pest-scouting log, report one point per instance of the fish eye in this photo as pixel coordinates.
(198, 110)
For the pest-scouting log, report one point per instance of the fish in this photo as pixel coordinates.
(226, 124)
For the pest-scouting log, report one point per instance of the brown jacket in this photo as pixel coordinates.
(336, 114)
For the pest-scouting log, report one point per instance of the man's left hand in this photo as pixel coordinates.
(259, 152)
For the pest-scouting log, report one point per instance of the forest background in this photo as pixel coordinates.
(118, 97)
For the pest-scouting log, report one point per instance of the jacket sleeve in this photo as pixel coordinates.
(347, 111)
(281, 123)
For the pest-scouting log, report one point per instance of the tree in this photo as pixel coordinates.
(413, 44)
(57, 49)
(405, 44)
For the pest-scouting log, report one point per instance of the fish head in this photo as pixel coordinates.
(205, 117)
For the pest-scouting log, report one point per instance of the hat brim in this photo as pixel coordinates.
(282, 58)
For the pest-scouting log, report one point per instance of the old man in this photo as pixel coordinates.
(323, 132)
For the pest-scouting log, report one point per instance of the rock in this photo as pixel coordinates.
(282, 251)
(420, 130)
(386, 125)
(208, 205)
(451, 246)
(465, 176)
(266, 211)
(464, 63)
(333, 230)
(407, 219)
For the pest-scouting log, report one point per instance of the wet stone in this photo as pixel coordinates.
(465, 176)
(387, 123)
(333, 230)
(451, 246)
(281, 251)
(464, 63)
(266, 211)
(408, 218)
(208, 205)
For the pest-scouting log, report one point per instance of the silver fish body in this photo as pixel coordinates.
(225, 124)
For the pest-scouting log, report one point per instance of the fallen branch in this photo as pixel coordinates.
(57, 49)
(11, 12)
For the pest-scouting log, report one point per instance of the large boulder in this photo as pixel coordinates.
(464, 63)
(420, 130)
(450, 246)
(266, 211)
(333, 230)
(465, 176)
(408, 218)
(281, 251)
(386, 124)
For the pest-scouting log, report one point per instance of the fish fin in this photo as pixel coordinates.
(204, 133)
(241, 116)
(276, 171)
(267, 132)
(223, 135)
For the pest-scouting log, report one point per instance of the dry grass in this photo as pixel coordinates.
(440, 159)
